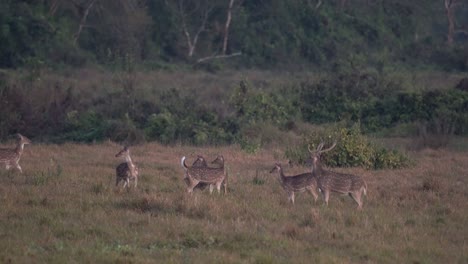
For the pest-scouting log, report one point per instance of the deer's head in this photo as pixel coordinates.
(315, 154)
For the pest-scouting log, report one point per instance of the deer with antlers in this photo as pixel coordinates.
(329, 181)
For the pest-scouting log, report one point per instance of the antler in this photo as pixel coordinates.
(328, 149)
(320, 147)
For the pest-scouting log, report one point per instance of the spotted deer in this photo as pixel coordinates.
(329, 181)
(127, 170)
(201, 163)
(297, 183)
(11, 157)
(205, 175)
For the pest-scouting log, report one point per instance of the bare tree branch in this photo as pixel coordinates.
(192, 43)
(319, 3)
(83, 21)
(53, 7)
(461, 31)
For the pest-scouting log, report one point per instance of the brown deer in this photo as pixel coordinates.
(11, 157)
(297, 183)
(329, 181)
(127, 170)
(204, 174)
(200, 162)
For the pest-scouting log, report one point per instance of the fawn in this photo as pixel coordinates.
(297, 183)
(11, 157)
(127, 170)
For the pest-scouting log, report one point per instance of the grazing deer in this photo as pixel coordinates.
(329, 181)
(297, 183)
(127, 170)
(204, 174)
(11, 157)
(200, 162)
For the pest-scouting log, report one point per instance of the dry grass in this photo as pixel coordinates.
(64, 209)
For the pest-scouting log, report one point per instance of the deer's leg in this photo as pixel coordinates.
(218, 186)
(136, 181)
(117, 180)
(291, 197)
(313, 191)
(326, 196)
(193, 183)
(357, 198)
(18, 167)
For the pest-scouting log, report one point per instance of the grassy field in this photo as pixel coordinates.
(64, 209)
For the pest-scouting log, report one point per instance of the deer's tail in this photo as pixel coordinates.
(182, 163)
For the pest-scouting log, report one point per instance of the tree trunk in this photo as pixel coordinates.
(226, 27)
(342, 5)
(449, 6)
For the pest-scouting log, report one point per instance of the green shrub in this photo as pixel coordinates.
(10, 116)
(85, 127)
(253, 106)
(352, 150)
(389, 159)
(250, 146)
(162, 127)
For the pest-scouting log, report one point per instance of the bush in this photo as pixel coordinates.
(352, 150)
(85, 127)
(10, 116)
(252, 106)
(378, 102)
(162, 127)
(348, 95)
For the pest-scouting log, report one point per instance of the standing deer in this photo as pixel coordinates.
(200, 162)
(11, 157)
(127, 170)
(219, 161)
(329, 181)
(204, 174)
(297, 183)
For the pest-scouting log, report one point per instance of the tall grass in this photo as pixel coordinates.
(64, 208)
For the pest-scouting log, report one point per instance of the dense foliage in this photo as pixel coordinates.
(169, 116)
(352, 150)
(380, 102)
(268, 34)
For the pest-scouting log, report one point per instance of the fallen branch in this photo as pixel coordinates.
(219, 57)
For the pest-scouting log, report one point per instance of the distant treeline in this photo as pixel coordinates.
(253, 33)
